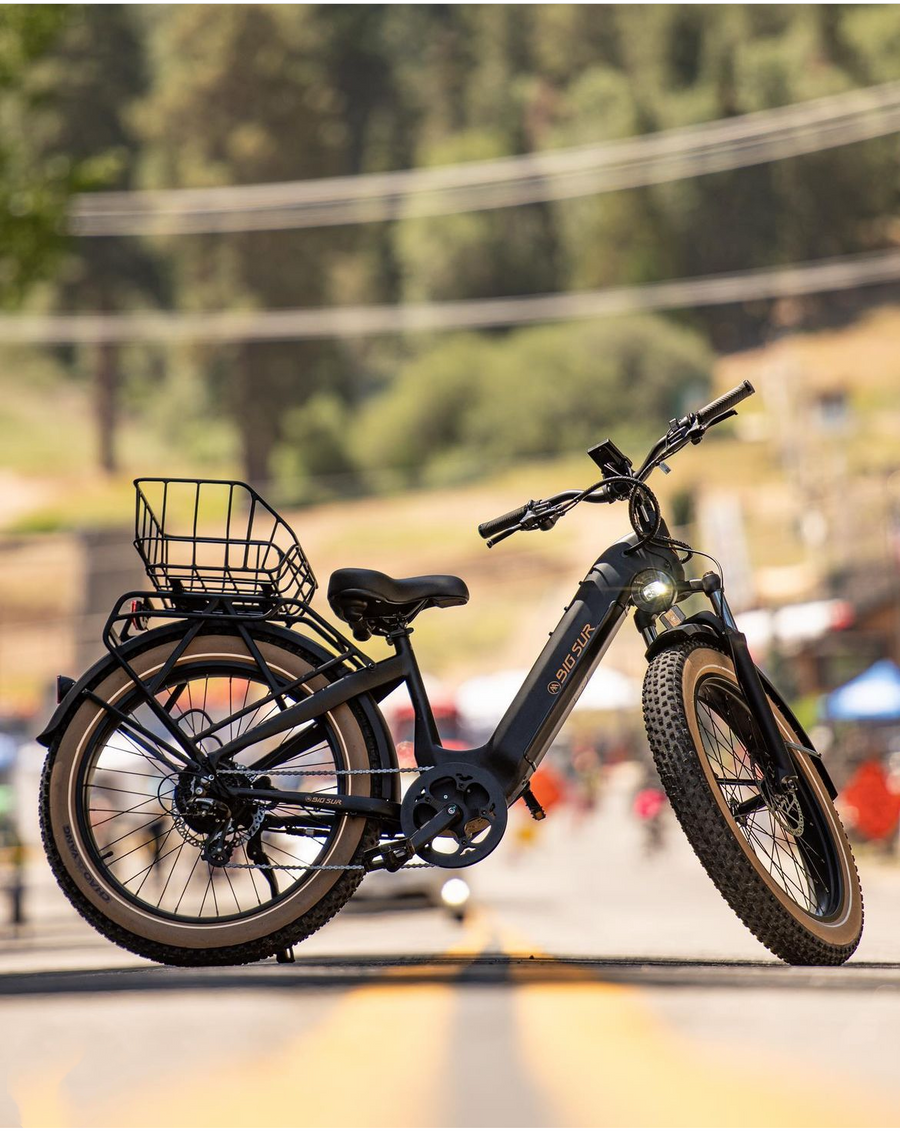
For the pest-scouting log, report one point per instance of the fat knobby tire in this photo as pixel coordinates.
(717, 843)
(234, 955)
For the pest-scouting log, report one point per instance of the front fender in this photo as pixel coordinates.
(384, 743)
(700, 624)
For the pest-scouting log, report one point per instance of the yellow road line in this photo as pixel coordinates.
(603, 1058)
(38, 1094)
(344, 1072)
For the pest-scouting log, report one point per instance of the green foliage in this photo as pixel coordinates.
(35, 186)
(314, 460)
(201, 95)
(470, 402)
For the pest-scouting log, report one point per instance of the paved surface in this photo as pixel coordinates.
(592, 985)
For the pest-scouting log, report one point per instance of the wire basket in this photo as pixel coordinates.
(258, 556)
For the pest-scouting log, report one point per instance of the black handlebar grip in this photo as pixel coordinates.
(504, 522)
(725, 402)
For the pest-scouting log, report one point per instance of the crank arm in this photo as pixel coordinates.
(393, 856)
(327, 802)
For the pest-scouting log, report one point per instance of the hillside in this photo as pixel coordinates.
(778, 458)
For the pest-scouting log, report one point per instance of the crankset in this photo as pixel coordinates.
(454, 815)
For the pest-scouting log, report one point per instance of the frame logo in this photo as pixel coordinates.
(568, 664)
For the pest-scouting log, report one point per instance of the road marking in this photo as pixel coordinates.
(376, 1060)
(604, 1058)
(38, 1094)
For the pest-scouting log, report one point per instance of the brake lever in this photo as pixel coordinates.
(718, 419)
(696, 431)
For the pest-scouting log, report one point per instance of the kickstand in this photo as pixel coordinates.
(257, 854)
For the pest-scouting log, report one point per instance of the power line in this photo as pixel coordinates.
(730, 143)
(359, 321)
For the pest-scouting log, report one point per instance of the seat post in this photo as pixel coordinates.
(426, 728)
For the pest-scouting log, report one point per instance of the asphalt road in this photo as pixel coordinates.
(592, 984)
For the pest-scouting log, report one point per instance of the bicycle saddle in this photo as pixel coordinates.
(358, 595)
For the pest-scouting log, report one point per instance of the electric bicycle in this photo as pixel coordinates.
(220, 783)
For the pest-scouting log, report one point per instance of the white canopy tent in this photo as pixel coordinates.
(483, 700)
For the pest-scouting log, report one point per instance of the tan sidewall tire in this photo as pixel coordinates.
(95, 885)
(703, 663)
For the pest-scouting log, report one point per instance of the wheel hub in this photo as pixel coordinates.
(208, 816)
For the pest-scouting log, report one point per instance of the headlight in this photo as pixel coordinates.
(455, 892)
(653, 591)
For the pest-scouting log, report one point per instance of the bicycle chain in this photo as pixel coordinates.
(323, 773)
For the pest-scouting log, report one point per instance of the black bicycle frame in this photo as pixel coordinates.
(534, 717)
(515, 749)
(524, 734)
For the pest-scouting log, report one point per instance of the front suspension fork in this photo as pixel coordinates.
(780, 765)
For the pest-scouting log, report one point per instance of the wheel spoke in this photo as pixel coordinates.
(792, 860)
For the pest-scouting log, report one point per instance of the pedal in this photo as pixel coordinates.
(390, 857)
(534, 806)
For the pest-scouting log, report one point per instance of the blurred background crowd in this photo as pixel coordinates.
(268, 242)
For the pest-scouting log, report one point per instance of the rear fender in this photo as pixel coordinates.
(386, 753)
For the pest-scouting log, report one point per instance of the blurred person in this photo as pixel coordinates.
(586, 766)
(871, 805)
(649, 807)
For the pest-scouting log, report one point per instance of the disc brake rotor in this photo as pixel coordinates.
(788, 812)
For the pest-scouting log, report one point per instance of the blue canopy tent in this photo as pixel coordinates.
(872, 697)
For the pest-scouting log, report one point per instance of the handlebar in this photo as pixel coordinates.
(544, 513)
(504, 522)
(540, 514)
(725, 403)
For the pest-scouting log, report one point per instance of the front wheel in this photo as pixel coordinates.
(784, 866)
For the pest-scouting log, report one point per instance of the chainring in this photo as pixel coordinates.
(481, 821)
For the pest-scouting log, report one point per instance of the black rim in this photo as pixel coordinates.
(129, 816)
(795, 849)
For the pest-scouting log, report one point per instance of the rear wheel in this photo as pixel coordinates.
(127, 836)
(784, 866)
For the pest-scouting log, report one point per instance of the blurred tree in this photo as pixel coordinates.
(245, 94)
(676, 65)
(90, 81)
(470, 401)
(253, 93)
(34, 187)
